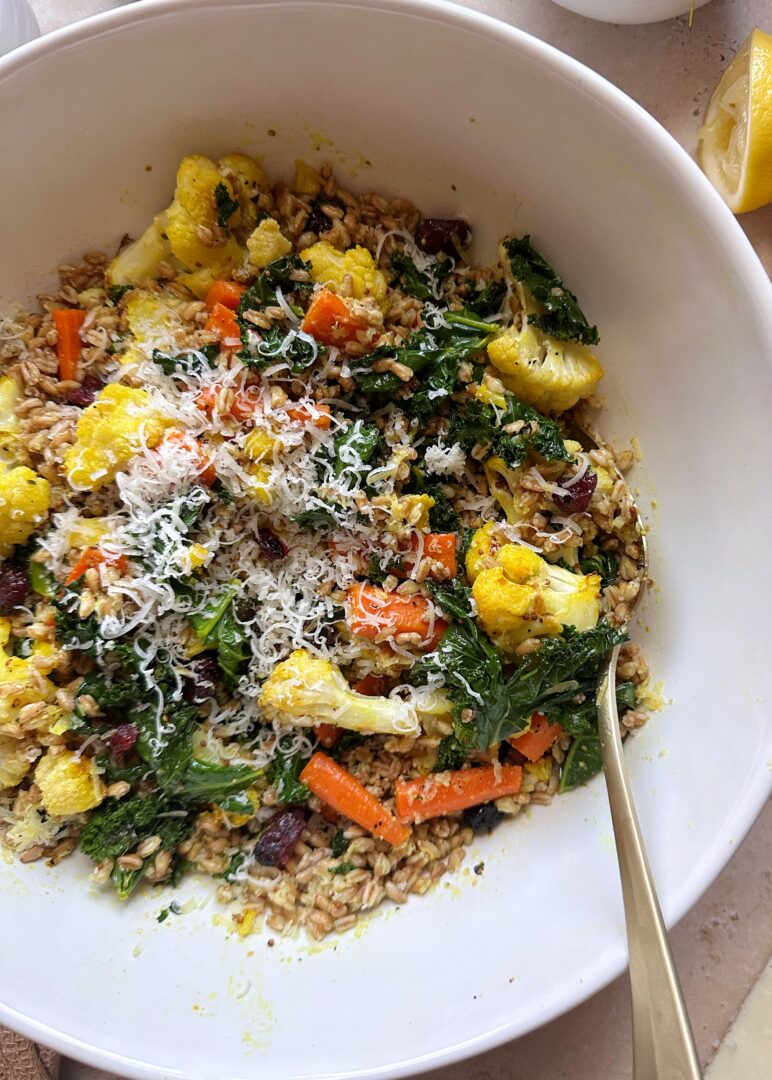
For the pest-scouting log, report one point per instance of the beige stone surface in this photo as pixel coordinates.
(723, 945)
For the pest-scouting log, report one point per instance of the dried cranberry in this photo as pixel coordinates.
(272, 547)
(280, 836)
(577, 497)
(86, 392)
(200, 683)
(121, 740)
(14, 586)
(318, 222)
(434, 235)
(482, 818)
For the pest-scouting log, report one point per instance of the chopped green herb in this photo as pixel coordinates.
(115, 293)
(604, 563)
(338, 844)
(343, 868)
(226, 206)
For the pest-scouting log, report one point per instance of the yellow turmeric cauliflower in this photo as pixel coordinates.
(23, 681)
(549, 374)
(154, 322)
(109, 433)
(68, 784)
(307, 180)
(267, 243)
(198, 241)
(503, 484)
(521, 595)
(16, 757)
(249, 183)
(9, 421)
(330, 266)
(25, 499)
(306, 690)
(140, 260)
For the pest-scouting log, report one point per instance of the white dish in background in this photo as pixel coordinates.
(466, 115)
(631, 11)
(18, 24)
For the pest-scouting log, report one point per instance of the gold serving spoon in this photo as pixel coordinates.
(663, 1043)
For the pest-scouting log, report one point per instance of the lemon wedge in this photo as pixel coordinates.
(735, 150)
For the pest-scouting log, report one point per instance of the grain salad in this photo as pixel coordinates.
(306, 577)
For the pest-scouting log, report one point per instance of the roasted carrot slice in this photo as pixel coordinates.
(68, 322)
(336, 786)
(227, 293)
(330, 320)
(534, 743)
(371, 611)
(447, 793)
(225, 324)
(318, 415)
(92, 558)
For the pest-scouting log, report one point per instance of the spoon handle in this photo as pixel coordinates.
(663, 1044)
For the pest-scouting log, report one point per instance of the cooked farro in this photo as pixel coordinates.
(304, 581)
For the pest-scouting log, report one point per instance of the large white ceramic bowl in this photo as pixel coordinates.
(465, 115)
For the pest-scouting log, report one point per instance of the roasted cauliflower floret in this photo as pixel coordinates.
(249, 183)
(549, 374)
(523, 596)
(483, 547)
(16, 759)
(267, 243)
(140, 260)
(68, 784)
(201, 244)
(307, 180)
(111, 430)
(408, 513)
(154, 322)
(305, 690)
(329, 267)
(503, 483)
(9, 421)
(25, 499)
(23, 681)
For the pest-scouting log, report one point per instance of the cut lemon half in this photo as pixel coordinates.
(735, 150)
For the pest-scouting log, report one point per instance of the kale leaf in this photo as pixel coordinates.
(283, 772)
(488, 300)
(452, 596)
(439, 352)
(115, 293)
(479, 424)
(422, 284)
(204, 781)
(318, 517)
(226, 206)
(502, 707)
(562, 318)
(604, 563)
(278, 274)
(450, 756)
(353, 450)
(191, 362)
(215, 623)
(442, 516)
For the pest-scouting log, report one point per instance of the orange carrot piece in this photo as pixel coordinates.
(371, 611)
(534, 743)
(319, 416)
(93, 558)
(187, 442)
(68, 322)
(227, 293)
(328, 734)
(439, 547)
(243, 406)
(336, 786)
(330, 320)
(446, 793)
(224, 323)
(371, 685)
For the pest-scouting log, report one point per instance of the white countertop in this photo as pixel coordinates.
(723, 945)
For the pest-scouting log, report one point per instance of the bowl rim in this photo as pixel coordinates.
(686, 178)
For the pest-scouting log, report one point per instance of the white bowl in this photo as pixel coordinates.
(630, 11)
(464, 115)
